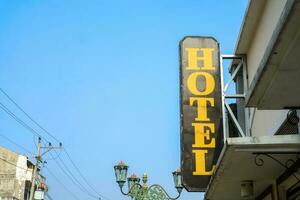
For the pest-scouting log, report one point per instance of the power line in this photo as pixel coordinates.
(76, 180)
(69, 174)
(34, 132)
(48, 196)
(79, 172)
(65, 169)
(5, 109)
(16, 144)
(61, 183)
(54, 158)
(23, 111)
(37, 134)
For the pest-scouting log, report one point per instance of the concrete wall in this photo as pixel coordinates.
(265, 122)
(262, 34)
(13, 174)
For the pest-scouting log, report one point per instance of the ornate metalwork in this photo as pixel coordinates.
(157, 193)
(143, 192)
(137, 191)
(259, 161)
(154, 192)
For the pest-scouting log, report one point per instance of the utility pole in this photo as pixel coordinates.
(38, 160)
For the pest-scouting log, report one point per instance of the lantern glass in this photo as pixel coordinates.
(132, 180)
(177, 180)
(130, 183)
(121, 173)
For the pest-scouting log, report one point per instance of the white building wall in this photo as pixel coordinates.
(23, 173)
(262, 34)
(265, 122)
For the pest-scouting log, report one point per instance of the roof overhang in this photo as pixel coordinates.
(237, 164)
(250, 21)
(275, 84)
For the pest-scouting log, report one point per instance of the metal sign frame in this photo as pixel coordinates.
(227, 111)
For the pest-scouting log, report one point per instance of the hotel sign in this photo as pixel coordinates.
(201, 109)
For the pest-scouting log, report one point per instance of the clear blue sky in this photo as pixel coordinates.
(103, 77)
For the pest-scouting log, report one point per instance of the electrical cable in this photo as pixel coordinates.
(79, 172)
(16, 144)
(64, 168)
(37, 134)
(34, 132)
(53, 158)
(60, 182)
(23, 111)
(21, 122)
(69, 174)
(48, 196)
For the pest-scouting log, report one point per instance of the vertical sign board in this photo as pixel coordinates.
(201, 109)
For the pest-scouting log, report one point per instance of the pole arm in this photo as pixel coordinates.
(49, 149)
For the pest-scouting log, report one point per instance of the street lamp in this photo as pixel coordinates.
(121, 173)
(139, 191)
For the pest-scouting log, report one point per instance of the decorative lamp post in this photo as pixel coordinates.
(142, 191)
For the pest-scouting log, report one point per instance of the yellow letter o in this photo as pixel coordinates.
(209, 83)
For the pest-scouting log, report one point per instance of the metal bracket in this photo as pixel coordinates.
(227, 111)
(259, 161)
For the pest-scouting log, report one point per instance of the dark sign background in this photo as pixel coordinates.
(188, 113)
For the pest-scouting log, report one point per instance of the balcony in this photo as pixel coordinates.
(249, 159)
(262, 160)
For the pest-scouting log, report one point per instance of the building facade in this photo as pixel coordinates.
(260, 158)
(16, 176)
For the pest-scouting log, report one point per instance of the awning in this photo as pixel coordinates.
(248, 158)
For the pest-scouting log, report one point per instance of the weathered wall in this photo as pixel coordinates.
(13, 174)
